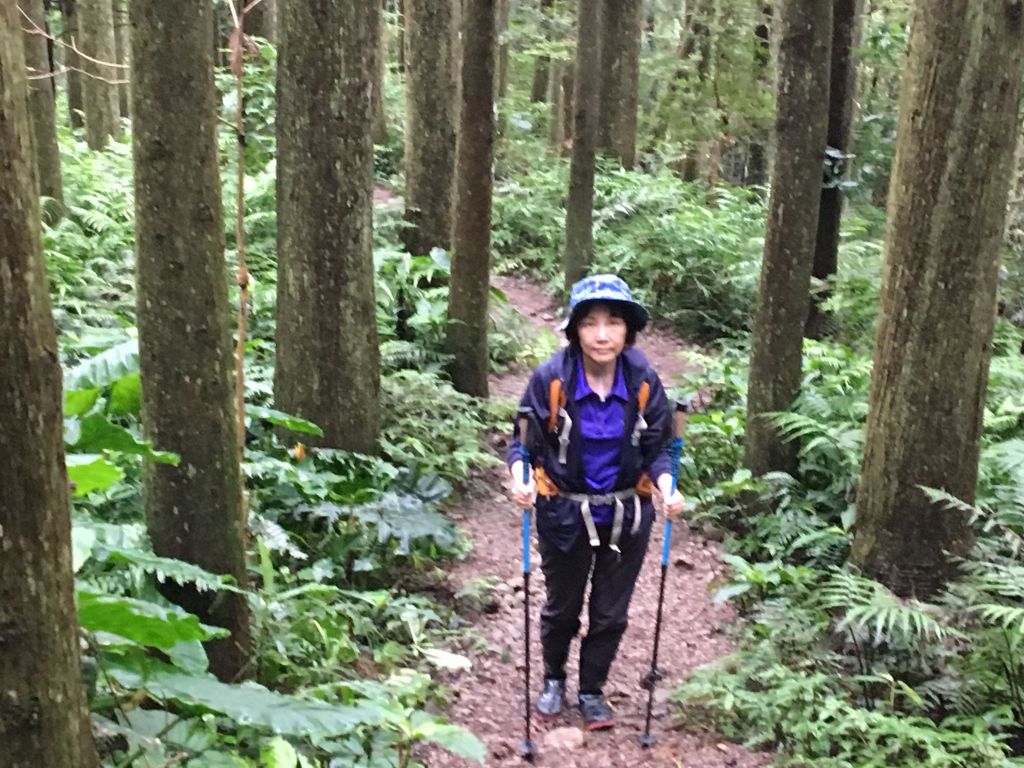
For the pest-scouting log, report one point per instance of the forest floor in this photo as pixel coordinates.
(488, 698)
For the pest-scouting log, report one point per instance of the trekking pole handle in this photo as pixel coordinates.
(679, 417)
(524, 454)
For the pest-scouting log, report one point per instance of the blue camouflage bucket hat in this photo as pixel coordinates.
(605, 288)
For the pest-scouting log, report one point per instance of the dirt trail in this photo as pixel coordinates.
(488, 699)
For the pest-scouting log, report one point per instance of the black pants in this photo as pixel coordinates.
(612, 581)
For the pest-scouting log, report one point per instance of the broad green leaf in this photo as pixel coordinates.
(80, 401)
(278, 753)
(248, 703)
(96, 433)
(82, 541)
(730, 591)
(105, 368)
(189, 656)
(126, 396)
(141, 622)
(456, 740)
(90, 472)
(445, 659)
(280, 419)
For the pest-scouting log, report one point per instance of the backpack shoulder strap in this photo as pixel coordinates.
(642, 396)
(556, 401)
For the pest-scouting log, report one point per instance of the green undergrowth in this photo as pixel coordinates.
(832, 669)
(350, 651)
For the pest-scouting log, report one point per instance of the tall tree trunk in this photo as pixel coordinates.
(501, 73)
(42, 111)
(471, 258)
(756, 172)
(380, 119)
(43, 716)
(556, 100)
(194, 511)
(72, 61)
(845, 38)
(328, 362)
(568, 108)
(620, 79)
(99, 86)
(431, 128)
(123, 54)
(579, 209)
(947, 203)
(539, 89)
(805, 30)
(401, 36)
(261, 20)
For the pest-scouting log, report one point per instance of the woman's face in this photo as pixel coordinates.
(602, 335)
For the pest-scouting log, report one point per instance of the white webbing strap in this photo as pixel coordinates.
(563, 436)
(588, 521)
(616, 499)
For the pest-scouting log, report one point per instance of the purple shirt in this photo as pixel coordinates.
(602, 428)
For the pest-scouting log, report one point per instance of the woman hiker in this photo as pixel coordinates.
(599, 432)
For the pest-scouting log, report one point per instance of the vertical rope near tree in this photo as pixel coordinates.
(239, 46)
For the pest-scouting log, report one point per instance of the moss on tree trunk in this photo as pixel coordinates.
(193, 511)
(805, 31)
(470, 277)
(99, 88)
(431, 124)
(43, 717)
(947, 203)
(579, 209)
(328, 360)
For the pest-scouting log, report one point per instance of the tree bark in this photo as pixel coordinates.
(539, 89)
(501, 73)
(43, 716)
(579, 209)
(261, 20)
(620, 79)
(401, 36)
(328, 360)
(431, 120)
(76, 109)
(568, 110)
(42, 110)
(947, 203)
(556, 100)
(193, 511)
(805, 29)
(380, 120)
(756, 172)
(99, 86)
(123, 54)
(843, 80)
(471, 258)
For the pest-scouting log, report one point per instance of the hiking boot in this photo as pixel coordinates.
(552, 698)
(597, 715)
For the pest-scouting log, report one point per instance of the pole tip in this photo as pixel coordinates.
(527, 750)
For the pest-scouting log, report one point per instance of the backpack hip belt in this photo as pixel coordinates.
(615, 498)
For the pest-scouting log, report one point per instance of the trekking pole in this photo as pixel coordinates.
(651, 678)
(527, 749)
